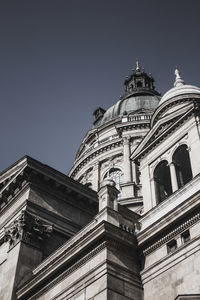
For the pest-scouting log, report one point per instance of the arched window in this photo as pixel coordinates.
(162, 179)
(182, 164)
(114, 174)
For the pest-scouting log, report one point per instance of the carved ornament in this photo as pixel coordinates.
(27, 228)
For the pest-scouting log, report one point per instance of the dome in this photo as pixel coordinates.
(128, 105)
(180, 88)
(139, 94)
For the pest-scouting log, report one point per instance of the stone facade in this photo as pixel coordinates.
(60, 239)
(106, 149)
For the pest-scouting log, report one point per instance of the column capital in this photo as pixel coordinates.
(96, 164)
(27, 228)
(126, 140)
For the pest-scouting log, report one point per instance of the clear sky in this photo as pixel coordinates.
(60, 59)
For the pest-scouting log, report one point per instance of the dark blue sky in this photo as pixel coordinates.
(60, 59)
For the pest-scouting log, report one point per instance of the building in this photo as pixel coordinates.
(125, 224)
(106, 148)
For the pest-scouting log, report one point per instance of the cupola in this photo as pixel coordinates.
(139, 81)
(139, 94)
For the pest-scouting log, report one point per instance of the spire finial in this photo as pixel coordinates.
(177, 73)
(179, 81)
(137, 65)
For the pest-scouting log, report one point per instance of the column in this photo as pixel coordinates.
(173, 177)
(153, 192)
(134, 173)
(127, 162)
(95, 175)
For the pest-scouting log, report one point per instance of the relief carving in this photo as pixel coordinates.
(27, 228)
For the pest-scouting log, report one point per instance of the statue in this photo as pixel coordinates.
(177, 73)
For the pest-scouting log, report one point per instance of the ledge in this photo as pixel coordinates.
(179, 203)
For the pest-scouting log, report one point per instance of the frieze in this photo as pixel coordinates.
(172, 234)
(27, 228)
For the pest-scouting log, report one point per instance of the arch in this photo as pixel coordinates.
(162, 180)
(115, 174)
(139, 83)
(181, 160)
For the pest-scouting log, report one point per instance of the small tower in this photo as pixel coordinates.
(139, 81)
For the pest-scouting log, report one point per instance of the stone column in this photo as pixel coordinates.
(127, 162)
(153, 192)
(194, 158)
(95, 179)
(134, 173)
(173, 177)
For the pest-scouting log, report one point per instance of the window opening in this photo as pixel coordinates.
(185, 236)
(181, 160)
(171, 246)
(139, 84)
(114, 174)
(162, 181)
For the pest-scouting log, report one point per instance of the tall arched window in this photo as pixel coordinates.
(162, 179)
(182, 164)
(114, 174)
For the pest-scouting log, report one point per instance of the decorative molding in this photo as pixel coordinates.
(27, 228)
(133, 125)
(126, 140)
(156, 140)
(172, 234)
(127, 228)
(181, 99)
(93, 155)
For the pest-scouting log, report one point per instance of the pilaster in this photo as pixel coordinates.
(95, 179)
(25, 236)
(127, 162)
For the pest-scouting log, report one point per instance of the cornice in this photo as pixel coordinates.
(31, 176)
(66, 223)
(170, 103)
(179, 229)
(133, 125)
(97, 151)
(159, 138)
(12, 194)
(50, 174)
